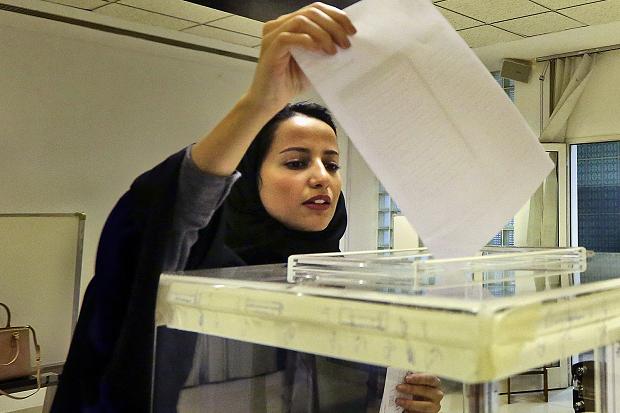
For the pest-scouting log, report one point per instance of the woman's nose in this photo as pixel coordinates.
(319, 177)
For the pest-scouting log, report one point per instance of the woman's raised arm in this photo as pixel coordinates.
(277, 79)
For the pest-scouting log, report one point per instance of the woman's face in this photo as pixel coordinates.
(299, 179)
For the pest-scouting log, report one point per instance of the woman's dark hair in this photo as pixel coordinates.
(253, 234)
(261, 144)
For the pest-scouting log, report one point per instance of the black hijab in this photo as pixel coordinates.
(250, 231)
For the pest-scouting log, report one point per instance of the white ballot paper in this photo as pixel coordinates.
(431, 122)
(393, 377)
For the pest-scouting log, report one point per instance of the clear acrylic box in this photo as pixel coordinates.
(317, 334)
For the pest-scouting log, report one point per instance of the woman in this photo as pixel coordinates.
(180, 216)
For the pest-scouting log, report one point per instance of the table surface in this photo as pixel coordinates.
(49, 377)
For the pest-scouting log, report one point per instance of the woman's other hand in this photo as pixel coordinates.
(426, 392)
(317, 27)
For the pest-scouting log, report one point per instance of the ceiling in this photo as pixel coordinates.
(479, 22)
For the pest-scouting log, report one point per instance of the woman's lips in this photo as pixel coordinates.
(318, 203)
(317, 207)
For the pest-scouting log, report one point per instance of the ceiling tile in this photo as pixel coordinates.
(240, 25)
(486, 35)
(491, 11)
(178, 8)
(595, 13)
(458, 21)
(561, 4)
(144, 17)
(224, 35)
(81, 4)
(539, 24)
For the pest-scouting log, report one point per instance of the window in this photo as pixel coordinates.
(387, 210)
(506, 237)
(507, 84)
(598, 196)
(387, 207)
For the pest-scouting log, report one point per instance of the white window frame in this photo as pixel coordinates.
(564, 222)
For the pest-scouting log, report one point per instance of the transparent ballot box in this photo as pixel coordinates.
(506, 328)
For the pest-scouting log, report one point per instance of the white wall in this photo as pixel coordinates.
(363, 203)
(84, 112)
(527, 97)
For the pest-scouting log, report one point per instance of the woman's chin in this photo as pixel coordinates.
(308, 226)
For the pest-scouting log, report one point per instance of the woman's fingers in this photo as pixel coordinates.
(333, 28)
(303, 24)
(426, 392)
(278, 78)
(337, 15)
(417, 406)
(283, 42)
(327, 25)
(423, 379)
(432, 394)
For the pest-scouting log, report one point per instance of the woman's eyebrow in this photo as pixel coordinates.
(296, 149)
(306, 150)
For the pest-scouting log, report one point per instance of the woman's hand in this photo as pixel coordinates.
(278, 78)
(426, 392)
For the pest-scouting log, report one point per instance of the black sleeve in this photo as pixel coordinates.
(108, 368)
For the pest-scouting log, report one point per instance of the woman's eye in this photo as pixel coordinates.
(295, 164)
(332, 166)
